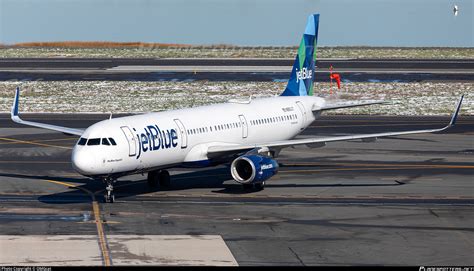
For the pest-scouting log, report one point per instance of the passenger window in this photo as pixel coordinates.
(93, 142)
(112, 141)
(82, 141)
(105, 142)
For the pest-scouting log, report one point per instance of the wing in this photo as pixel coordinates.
(16, 118)
(347, 104)
(223, 150)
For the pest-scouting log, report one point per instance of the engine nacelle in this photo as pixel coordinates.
(253, 168)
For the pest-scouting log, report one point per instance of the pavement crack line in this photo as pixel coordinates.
(102, 238)
(296, 255)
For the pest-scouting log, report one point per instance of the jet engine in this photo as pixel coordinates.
(248, 169)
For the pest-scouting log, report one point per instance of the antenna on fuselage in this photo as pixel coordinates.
(110, 117)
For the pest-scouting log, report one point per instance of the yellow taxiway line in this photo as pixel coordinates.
(33, 143)
(98, 222)
(43, 140)
(33, 162)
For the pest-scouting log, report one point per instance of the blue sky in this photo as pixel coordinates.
(240, 22)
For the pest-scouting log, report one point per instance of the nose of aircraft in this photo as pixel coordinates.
(82, 162)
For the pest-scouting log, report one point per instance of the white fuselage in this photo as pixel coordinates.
(181, 137)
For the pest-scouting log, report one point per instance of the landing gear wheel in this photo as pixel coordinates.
(247, 186)
(260, 186)
(109, 196)
(164, 177)
(153, 178)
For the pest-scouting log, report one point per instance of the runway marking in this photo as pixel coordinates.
(34, 143)
(98, 222)
(39, 141)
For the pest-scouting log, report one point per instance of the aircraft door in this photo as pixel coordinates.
(183, 134)
(243, 122)
(132, 141)
(303, 114)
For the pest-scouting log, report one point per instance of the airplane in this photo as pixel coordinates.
(247, 135)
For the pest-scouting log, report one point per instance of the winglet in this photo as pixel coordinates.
(14, 112)
(455, 114)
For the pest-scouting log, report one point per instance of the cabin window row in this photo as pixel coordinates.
(274, 119)
(218, 127)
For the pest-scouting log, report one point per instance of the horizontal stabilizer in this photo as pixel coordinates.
(347, 105)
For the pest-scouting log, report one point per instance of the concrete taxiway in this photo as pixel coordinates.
(359, 70)
(404, 200)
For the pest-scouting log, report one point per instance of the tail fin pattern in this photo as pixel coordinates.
(302, 74)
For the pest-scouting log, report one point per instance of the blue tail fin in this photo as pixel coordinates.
(302, 75)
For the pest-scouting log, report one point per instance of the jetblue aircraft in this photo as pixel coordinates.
(248, 135)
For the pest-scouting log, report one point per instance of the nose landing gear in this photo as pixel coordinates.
(155, 178)
(109, 196)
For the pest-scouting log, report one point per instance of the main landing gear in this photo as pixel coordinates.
(109, 196)
(159, 177)
(256, 186)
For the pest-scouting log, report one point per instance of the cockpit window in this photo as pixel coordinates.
(93, 141)
(112, 141)
(82, 141)
(105, 142)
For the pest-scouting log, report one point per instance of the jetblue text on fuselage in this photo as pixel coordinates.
(303, 74)
(154, 139)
